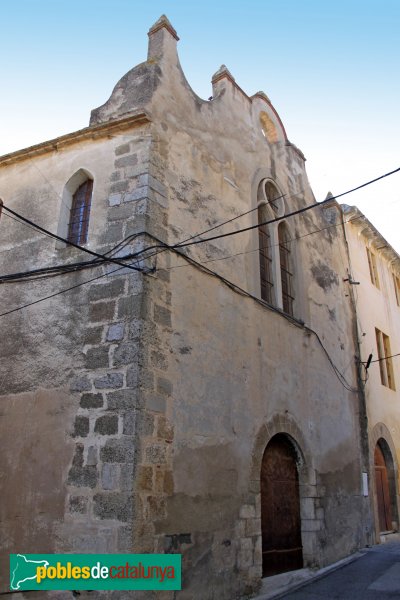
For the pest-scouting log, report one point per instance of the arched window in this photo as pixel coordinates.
(267, 208)
(274, 198)
(276, 256)
(265, 251)
(73, 224)
(286, 266)
(80, 212)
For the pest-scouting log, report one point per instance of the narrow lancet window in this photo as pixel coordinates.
(286, 269)
(80, 212)
(265, 252)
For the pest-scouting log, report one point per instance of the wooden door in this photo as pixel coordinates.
(382, 491)
(280, 509)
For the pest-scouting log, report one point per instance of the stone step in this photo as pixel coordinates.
(389, 536)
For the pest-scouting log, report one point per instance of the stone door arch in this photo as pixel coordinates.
(280, 508)
(383, 468)
(380, 437)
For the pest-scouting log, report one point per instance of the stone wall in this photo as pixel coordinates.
(71, 365)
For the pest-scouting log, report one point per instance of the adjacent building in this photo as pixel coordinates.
(375, 275)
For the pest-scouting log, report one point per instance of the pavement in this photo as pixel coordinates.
(372, 574)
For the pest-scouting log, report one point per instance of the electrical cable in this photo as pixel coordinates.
(381, 359)
(46, 272)
(60, 292)
(51, 185)
(187, 242)
(26, 275)
(34, 274)
(270, 246)
(288, 317)
(66, 241)
(296, 212)
(22, 223)
(54, 270)
(125, 242)
(276, 219)
(230, 284)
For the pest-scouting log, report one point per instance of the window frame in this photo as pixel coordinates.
(277, 258)
(373, 268)
(396, 283)
(78, 226)
(385, 360)
(78, 177)
(286, 269)
(265, 256)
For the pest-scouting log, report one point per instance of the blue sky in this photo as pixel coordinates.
(331, 70)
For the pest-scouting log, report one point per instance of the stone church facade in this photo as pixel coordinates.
(148, 408)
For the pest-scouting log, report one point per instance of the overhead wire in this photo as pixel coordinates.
(73, 267)
(183, 243)
(189, 242)
(162, 249)
(73, 287)
(276, 219)
(68, 267)
(69, 242)
(381, 359)
(34, 228)
(50, 184)
(268, 247)
(288, 317)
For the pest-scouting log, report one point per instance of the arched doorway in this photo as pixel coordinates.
(280, 508)
(383, 495)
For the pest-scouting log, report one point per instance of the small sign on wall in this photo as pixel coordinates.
(365, 484)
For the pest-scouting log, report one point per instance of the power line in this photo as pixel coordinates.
(50, 184)
(74, 267)
(163, 246)
(174, 247)
(52, 271)
(66, 241)
(35, 274)
(238, 216)
(231, 285)
(45, 272)
(293, 213)
(59, 292)
(365, 184)
(385, 358)
(288, 317)
(55, 270)
(269, 246)
(276, 219)
(21, 222)
(163, 249)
